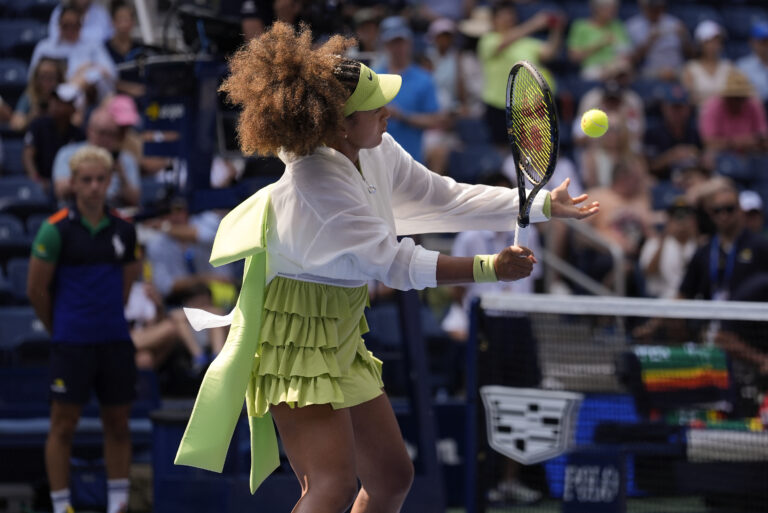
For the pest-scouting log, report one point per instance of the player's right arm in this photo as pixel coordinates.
(42, 266)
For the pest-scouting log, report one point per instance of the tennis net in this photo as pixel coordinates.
(605, 404)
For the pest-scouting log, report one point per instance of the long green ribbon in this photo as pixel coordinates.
(220, 399)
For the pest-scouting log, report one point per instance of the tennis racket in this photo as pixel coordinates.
(533, 136)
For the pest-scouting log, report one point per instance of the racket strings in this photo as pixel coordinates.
(530, 125)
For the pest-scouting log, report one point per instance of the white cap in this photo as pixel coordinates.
(750, 200)
(706, 30)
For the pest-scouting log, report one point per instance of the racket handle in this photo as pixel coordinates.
(521, 236)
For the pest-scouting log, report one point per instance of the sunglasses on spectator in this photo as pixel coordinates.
(728, 209)
(70, 25)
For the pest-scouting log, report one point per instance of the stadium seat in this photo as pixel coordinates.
(23, 197)
(19, 324)
(13, 76)
(20, 188)
(18, 37)
(10, 227)
(663, 193)
(153, 192)
(37, 9)
(528, 10)
(649, 90)
(627, 10)
(6, 299)
(34, 222)
(738, 20)
(12, 157)
(692, 15)
(13, 241)
(736, 49)
(474, 161)
(18, 269)
(736, 167)
(576, 10)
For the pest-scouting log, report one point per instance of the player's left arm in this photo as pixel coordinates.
(563, 205)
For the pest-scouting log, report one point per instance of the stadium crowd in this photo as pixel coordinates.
(680, 175)
(685, 88)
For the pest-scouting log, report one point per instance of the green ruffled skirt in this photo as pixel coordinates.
(311, 349)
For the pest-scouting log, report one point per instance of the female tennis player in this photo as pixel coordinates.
(312, 241)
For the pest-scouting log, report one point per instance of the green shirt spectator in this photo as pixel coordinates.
(597, 42)
(496, 66)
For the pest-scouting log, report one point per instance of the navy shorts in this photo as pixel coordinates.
(109, 369)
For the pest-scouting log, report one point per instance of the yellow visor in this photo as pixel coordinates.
(372, 91)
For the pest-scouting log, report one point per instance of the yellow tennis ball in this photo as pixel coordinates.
(594, 122)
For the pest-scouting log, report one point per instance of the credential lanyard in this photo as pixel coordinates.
(720, 287)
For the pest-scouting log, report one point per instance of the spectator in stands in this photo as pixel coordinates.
(33, 102)
(500, 49)
(366, 26)
(599, 156)
(689, 176)
(49, 133)
(733, 120)
(122, 46)
(415, 109)
(755, 65)
(745, 342)
(659, 41)
(87, 61)
(665, 256)
(97, 24)
(627, 220)
(82, 264)
(732, 257)
(705, 76)
(623, 105)
(444, 61)
(156, 332)
(179, 253)
(595, 43)
(123, 110)
(509, 361)
(675, 141)
(754, 217)
(470, 69)
(102, 131)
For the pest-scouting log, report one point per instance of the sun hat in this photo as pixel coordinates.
(737, 85)
(479, 22)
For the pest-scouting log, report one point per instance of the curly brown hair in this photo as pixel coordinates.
(292, 95)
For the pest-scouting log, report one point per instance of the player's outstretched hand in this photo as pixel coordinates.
(514, 263)
(565, 206)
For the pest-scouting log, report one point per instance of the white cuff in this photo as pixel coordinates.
(424, 268)
(537, 209)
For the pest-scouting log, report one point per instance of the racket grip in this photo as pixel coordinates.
(521, 236)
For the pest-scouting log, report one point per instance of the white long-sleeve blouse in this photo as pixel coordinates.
(331, 223)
